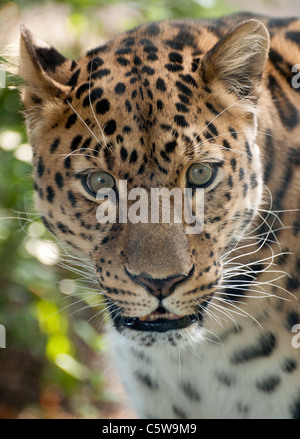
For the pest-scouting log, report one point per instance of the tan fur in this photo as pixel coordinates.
(182, 93)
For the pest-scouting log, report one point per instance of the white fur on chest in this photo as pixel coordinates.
(202, 381)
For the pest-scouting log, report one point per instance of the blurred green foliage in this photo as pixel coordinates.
(45, 319)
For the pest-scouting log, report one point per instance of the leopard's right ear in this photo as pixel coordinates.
(45, 71)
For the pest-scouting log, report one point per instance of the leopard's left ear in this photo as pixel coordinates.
(238, 59)
(43, 68)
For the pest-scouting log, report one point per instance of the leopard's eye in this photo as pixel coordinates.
(97, 180)
(201, 175)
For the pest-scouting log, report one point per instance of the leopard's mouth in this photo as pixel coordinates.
(160, 320)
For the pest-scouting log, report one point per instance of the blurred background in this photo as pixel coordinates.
(56, 362)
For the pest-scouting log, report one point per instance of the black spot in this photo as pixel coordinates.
(179, 413)
(36, 99)
(150, 48)
(152, 57)
(123, 51)
(94, 64)
(150, 94)
(74, 78)
(211, 108)
(137, 61)
(233, 133)
(180, 120)
(123, 153)
(189, 80)
(226, 144)
(181, 108)
(120, 139)
(102, 106)
(293, 318)
(230, 181)
(242, 408)
(82, 89)
(50, 194)
(293, 36)
(100, 49)
(40, 167)
(248, 151)
(120, 88)
(174, 67)
(86, 143)
(253, 181)
(233, 164)
(128, 106)
(141, 169)
(207, 135)
(133, 156)
(126, 129)
(67, 162)
(289, 365)
(212, 128)
(190, 391)
(225, 379)
(129, 41)
(72, 198)
(71, 120)
(59, 180)
(181, 40)
(110, 127)
(175, 57)
(269, 384)
(76, 142)
(160, 84)
(100, 74)
(183, 88)
(148, 70)
(152, 30)
(73, 65)
(241, 174)
(245, 189)
(164, 156)
(287, 111)
(292, 284)
(159, 105)
(264, 346)
(184, 99)
(280, 22)
(54, 145)
(215, 219)
(49, 58)
(170, 146)
(96, 93)
(295, 408)
(64, 228)
(147, 381)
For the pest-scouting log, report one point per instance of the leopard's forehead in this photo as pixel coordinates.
(142, 74)
(142, 95)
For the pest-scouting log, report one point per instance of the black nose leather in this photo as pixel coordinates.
(159, 287)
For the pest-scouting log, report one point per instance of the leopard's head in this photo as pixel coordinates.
(167, 105)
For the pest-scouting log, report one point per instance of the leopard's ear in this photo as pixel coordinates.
(238, 59)
(44, 70)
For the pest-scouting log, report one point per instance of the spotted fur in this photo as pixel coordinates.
(144, 107)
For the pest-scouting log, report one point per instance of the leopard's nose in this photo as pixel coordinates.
(159, 287)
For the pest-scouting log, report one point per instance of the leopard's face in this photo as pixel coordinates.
(145, 113)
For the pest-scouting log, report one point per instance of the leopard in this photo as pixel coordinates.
(202, 325)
